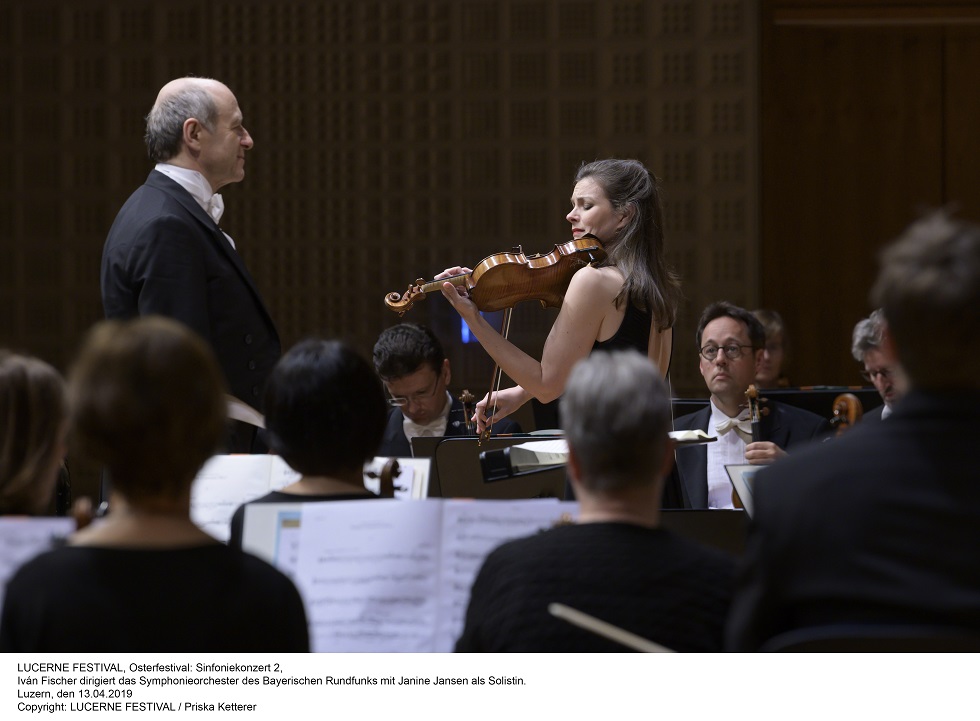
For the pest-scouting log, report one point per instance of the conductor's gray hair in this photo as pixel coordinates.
(867, 335)
(929, 290)
(615, 412)
(165, 121)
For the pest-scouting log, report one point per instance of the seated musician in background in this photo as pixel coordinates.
(730, 344)
(615, 563)
(882, 525)
(147, 400)
(410, 361)
(770, 372)
(33, 428)
(880, 368)
(324, 414)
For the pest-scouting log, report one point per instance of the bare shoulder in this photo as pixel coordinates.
(596, 283)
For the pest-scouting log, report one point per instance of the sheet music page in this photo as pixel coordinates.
(280, 474)
(368, 573)
(536, 454)
(22, 538)
(471, 529)
(222, 485)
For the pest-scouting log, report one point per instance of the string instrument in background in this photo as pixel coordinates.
(756, 411)
(469, 408)
(847, 410)
(386, 477)
(502, 280)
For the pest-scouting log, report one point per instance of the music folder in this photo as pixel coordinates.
(742, 477)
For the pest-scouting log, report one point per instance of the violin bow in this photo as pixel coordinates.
(495, 380)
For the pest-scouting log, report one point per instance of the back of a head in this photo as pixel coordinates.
(929, 291)
(616, 415)
(147, 399)
(325, 408)
(32, 420)
(404, 348)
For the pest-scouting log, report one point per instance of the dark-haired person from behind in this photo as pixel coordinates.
(325, 413)
(147, 400)
(882, 526)
(33, 427)
(615, 563)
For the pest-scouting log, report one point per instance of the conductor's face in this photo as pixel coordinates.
(420, 395)
(726, 377)
(222, 158)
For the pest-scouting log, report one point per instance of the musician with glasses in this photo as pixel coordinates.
(880, 367)
(730, 343)
(415, 371)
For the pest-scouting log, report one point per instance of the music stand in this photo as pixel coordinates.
(457, 462)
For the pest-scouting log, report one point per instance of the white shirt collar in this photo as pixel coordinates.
(190, 180)
(200, 189)
(436, 428)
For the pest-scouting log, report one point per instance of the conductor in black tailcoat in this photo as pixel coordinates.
(165, 253)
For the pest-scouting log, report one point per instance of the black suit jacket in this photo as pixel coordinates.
(784, 425)
(878, 526)
(394, 443)
(164, 255)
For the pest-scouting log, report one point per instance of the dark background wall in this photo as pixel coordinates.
(869, 115)
(397, 137)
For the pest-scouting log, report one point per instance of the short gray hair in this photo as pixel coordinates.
(867, 335)
(165, 121)
(616, 414)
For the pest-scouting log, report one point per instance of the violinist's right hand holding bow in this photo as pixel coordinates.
(507, 400)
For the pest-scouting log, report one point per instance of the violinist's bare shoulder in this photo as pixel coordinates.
(596, 284)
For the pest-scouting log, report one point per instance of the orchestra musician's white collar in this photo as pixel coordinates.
(437, 427)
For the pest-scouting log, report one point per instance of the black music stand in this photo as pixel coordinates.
(457, 463)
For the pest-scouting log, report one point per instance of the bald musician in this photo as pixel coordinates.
(166, 254)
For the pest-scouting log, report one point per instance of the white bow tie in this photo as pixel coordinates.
(435, 428)
(742, 424)
(216, 207)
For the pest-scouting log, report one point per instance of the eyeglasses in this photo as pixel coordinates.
(871, 376)
(420, 397)
(732, 352)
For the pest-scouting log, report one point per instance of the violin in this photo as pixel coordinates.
(756, 411)
(503, 280)
(847, 411)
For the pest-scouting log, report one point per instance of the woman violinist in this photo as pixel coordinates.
(627, 301)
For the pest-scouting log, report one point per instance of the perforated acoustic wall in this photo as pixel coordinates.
(392, 139)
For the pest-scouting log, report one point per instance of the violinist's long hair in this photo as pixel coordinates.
(638, 250)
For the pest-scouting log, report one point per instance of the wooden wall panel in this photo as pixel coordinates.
(859, 134)
(961, 106)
